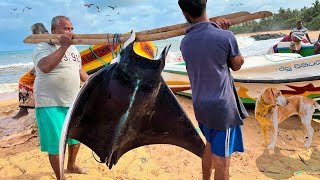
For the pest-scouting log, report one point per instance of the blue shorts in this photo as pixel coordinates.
(50, 121)
(224, 142)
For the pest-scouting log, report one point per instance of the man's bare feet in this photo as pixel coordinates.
(22, 112)
(76, 170)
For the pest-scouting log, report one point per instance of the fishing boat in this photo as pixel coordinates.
(284, 47)
(289, 72)
(306, 48)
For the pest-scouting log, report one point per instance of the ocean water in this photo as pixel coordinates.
(14, 64)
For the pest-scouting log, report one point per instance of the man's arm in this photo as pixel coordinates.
(235, 62)
(48, 63)
(290, 35)
(307, 35)
(83, 75)
(317, 39)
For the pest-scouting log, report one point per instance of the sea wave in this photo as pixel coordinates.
(249, 47)
(17, 65)
(174, 57)
(244, 41)
(10, 87)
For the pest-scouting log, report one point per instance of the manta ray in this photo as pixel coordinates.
(127, 105)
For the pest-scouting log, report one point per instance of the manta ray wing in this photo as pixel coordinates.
(128, 105)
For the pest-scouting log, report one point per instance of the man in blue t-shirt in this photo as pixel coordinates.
(209, 53)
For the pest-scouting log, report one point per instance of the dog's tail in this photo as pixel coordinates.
(316, 120)
(316, 99)
(315, 103)
(318, 107)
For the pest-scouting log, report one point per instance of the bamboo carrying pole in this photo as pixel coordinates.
(184, 25)
(151, 35)
(153, 31)
(179, 32)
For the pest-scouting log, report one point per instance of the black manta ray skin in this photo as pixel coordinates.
(127, 105)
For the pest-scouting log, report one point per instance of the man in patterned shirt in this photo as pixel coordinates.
(297, 35)
(59, 70)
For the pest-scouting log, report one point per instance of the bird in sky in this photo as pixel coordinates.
(98, 9)
(112, 7)
(14, 9)
(239, 4)
(26, 8)
(88, 5)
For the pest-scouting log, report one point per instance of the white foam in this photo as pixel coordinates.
(244, 41)
(17, 65)
(10, 87)
(173, 57)
(249, 47)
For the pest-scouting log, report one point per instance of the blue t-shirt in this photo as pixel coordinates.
(206, 49)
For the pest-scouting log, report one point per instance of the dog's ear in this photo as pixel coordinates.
(276, 92)
(268, 96)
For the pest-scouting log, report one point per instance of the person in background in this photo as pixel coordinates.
(209, 52)
(286, 38)
(317, 45)
(26, 98)
(59, 72)
(297, 35)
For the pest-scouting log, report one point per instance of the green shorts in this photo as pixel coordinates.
(50, 121)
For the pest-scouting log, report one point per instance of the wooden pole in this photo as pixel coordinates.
(257, 15)
(164, 33)
(76, 41)
(76, 36)
(184, 25)
(179, 32)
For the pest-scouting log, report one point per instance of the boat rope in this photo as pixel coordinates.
(116, 40)
(112, 49)
(98, 57)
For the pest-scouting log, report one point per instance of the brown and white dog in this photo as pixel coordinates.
(272, 108)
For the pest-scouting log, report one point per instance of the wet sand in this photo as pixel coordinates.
(288, 161)
(312, 34)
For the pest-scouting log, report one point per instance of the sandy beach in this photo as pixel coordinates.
(312, 34)
(288, 161)
(20, 156)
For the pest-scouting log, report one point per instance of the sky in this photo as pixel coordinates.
(17, 16)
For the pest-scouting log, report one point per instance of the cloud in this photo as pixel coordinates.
(127, 15)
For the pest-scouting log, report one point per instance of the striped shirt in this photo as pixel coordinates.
(299, 33)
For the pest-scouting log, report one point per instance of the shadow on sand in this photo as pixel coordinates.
(285, 163)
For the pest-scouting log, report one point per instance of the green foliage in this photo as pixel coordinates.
(284, 19)
(314, 24)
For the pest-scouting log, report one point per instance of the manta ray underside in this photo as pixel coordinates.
(127, 105)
